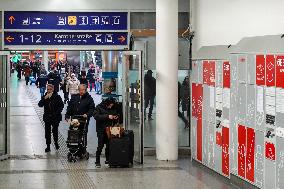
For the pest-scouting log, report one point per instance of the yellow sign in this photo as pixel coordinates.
(72, 20)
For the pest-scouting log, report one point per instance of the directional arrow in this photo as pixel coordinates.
(9, 39)
(11, 19)
(121, 39)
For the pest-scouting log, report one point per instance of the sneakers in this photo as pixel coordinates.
(98, 165)
(47, 149)
(150, 119)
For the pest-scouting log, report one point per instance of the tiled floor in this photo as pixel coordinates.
(29, 167)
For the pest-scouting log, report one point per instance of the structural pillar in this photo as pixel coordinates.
(45, 59)
(167, 79)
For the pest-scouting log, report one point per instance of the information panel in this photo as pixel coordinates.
(66, 38)
(65, 20)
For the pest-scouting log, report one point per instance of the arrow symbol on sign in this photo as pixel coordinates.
(11, 19)
(121, 39)
(9, 39)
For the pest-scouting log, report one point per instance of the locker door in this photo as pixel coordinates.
(242, 151)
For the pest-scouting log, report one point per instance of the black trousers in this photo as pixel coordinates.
(51, 126)
(102, 140)
(27, 80)
(149, 100)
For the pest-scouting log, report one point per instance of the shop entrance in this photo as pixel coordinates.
(127, 76)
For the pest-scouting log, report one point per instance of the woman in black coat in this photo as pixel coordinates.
(53, 106)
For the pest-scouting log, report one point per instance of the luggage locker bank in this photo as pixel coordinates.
(238, 111)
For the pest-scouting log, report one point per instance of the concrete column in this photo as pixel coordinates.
(167, 79)
(45, 59)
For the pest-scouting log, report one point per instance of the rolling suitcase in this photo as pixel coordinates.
(129, 134)
(121, 150)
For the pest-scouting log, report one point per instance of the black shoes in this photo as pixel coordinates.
(47, 149)
(57, 146)
(98, 165)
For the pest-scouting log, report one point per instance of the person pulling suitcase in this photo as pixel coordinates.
(105, 114)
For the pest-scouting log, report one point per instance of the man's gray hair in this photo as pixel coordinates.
(83, 85)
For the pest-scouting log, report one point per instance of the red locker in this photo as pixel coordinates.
(209, 73)
(280, 71)
(250, 154)
(270, 151)
(241, 150)
(199, 139)
(197, 96)
(270, 70)
(211, 76)
(226, 75)
(205, 72)
(260, 70)
(225, 151)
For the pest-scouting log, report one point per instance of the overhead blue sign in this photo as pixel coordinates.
(65, 20)
(66, 38)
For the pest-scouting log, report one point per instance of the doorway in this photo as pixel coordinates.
(130, 73)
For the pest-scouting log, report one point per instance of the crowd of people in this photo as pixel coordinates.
(75, 93)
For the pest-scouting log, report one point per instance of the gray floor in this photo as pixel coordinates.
(29, 167)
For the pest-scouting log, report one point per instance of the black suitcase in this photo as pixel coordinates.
(129, 134)
(121, 150)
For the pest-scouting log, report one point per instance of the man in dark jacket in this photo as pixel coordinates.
(106, 113)
(41, 82)
(81, 104)
(149, 93)
(54, 79)
(53, 106)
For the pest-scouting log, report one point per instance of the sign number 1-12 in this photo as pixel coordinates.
(33, 38)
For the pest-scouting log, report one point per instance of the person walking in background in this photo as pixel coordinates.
(53, 107)
(180, 114)
(64, 88)
(92, 78)
(149, 93)
(105, 113)
(35, 69)
(72, 85)
(54, 79)
(185, 96)
(41, 83)
(27, 73)
(83, 80)
(19, 70)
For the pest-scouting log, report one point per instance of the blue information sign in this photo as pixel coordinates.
(66, 38)
(65, 20)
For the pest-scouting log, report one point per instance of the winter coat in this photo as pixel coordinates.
(55, 80)
(27, 72)
(150, 86)
(73, 86)
(80, 105)
(101, 116)
(41, 81)
(91, 76)
(52, 108)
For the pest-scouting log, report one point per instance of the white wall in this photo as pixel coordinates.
(63, 5)
(223, 22)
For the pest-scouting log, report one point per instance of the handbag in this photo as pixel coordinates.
(114, 131)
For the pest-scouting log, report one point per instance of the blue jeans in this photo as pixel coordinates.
(98, 87)
(42, 91)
